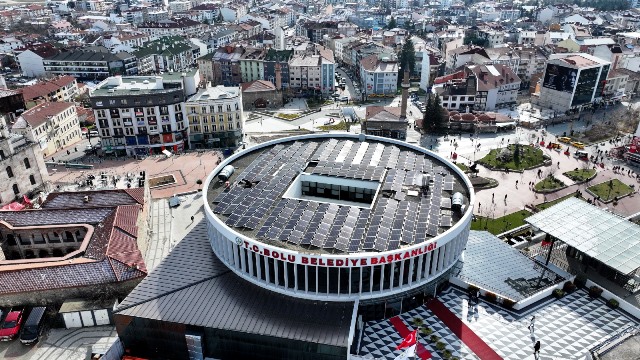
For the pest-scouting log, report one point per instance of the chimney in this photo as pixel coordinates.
(405, 94)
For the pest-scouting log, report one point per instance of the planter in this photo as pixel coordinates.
(613, 303)
(595, 292)
(490, 297)
(558, 294)
(569, 287)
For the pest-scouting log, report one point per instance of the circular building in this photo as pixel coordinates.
(338, 216)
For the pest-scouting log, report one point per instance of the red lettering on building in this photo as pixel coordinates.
(304, 260)
(374, 261)
(314, 261)
(339, 262)
(266, 252)
(330, 262)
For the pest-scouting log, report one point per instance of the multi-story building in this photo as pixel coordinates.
(169, 53)
(91, 64)
(379, 75)
(180, 6)
(63, 88)
(276, 67)
(53, 126)
(215, 117)
(180, 27)
(478, 87)
(141, 115)
(252, 64)
(226, 65)
(311, 73)
(24, 171)
(573, 81)
(30, 59)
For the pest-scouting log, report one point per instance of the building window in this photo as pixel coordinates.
(9, 172)
(32, 179)
(16, 190)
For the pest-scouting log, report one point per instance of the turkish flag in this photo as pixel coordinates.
(410, 340)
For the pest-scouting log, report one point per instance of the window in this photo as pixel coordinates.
(219, 108)
(9, 172)
(32, 179)
(15, 189)
(221, 118)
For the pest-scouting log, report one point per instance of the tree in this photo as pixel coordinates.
(434, 117)
(392, 23)
(473, 39)
(516, 155)
(407, 59)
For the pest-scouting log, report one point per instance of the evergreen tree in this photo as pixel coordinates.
(434, 118)
(407, 59)
(392, 23)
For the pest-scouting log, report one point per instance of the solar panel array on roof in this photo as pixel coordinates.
(254, 201)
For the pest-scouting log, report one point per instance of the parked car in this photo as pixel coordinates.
(33, 326)
(578, 144)
(11, 325)
(564, 139)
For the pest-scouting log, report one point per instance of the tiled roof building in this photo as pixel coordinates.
(76, 245)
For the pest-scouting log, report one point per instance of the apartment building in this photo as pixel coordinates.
(142, 115)
(53, 126)
(169, 53)
(216, 118)
(173, 27)
(96, 63)
(313, 72)
(252, 64)
(379, 75)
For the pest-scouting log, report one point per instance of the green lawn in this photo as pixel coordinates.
(580, 174)
(462, 166)
(611, 189)
(553, 202)
(549, 183)
(504, 158)
(339, 126)
(501, 224)
(288, 116)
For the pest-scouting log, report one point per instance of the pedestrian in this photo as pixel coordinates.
(558, 164)
(516, 184)
(493, 196)
(532, 323)
(505, 197)
(536, 349)
(192, 218)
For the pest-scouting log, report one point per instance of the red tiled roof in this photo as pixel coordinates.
(36, 116)
(44, 88)
(111, 254)
(137, 194)
(257, 86)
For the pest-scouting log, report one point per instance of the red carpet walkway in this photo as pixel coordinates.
(403, 330)
(468, 337)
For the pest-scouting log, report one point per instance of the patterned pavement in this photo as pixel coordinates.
(566, 328)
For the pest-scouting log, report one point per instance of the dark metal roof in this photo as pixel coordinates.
(55, 216)
(192, 286)
(67, 200)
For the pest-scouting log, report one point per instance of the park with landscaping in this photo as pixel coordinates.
(513, 157)
(610, 190)
(549, 184)
(499, 225)
(580, 175)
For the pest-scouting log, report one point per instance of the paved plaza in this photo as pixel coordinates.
(566, 328)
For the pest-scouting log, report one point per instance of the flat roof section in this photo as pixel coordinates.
(493, 265)
(598, 233)
(402, 212)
